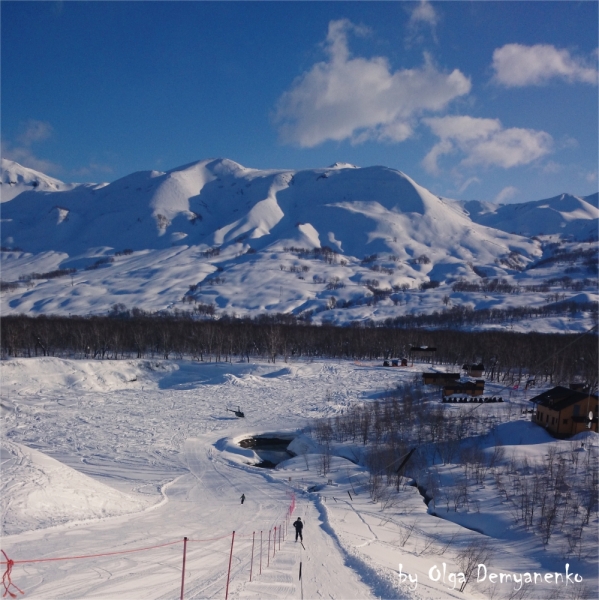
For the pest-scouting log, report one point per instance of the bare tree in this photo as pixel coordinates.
(477, 552)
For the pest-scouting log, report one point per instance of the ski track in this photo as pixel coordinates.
(151, 434)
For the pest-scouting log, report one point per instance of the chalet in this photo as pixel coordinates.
(439, 378)
(474, 370)
(564, 411)
(469, 388)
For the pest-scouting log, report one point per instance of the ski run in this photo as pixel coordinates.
(126, 458)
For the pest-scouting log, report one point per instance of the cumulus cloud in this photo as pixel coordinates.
(516, 65)
(361, 99)
(22, 151)
(484, 142)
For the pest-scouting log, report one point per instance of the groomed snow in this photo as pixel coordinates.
(109, 456)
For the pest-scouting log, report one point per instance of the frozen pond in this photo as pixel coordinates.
(271, 448)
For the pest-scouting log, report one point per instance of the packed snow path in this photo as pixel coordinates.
(202, 505)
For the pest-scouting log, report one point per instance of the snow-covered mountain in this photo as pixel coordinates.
(359, 242)
(567, 215)
(17, 179)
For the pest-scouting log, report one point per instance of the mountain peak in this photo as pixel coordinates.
(342, 165)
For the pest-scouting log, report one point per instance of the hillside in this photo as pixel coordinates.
(108, 464)
(566, 215)
(339, 244)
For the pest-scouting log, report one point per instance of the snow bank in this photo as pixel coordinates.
(39, 491)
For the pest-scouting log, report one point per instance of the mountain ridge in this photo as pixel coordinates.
(245, 236)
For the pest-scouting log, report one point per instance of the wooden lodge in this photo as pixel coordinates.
(564, 412)
(474, 370)
(465, 388)
(439, 378)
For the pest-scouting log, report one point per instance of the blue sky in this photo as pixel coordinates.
(474, 100)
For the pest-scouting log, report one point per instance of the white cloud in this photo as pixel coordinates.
(505, 194)
(361, 99)
(35, 131)
(552, 167)
(516, 65)
(22, 152)
(467, 184)
(484, 142)
(422, 15)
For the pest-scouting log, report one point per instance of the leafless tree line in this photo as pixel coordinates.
(556, 494)
(508, 356)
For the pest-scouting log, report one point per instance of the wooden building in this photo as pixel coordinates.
(474, 370)
(564, 412)
(467, 388)
(439, 378)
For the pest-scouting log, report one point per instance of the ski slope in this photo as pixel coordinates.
(102, 457)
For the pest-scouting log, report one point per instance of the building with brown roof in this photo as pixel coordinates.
(564, 412)
(469, 388)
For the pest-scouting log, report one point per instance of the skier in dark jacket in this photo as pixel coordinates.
(298, 529)
(242, 498)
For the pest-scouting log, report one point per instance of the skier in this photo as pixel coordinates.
(242, 498)
(298, 529)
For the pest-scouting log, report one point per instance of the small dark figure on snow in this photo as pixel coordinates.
(298, 529)
(242, 498)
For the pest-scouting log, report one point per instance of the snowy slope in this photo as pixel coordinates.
(50, 493)
(216, 202)
(216, 232)
(565, 215)
(17, 179)
(167, 435)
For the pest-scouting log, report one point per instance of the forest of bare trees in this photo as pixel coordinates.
(507, 356)
(555, 495)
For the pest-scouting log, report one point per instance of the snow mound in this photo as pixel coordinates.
(49, 374)
(38, 491)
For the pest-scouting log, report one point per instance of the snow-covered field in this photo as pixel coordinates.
(106, 457)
